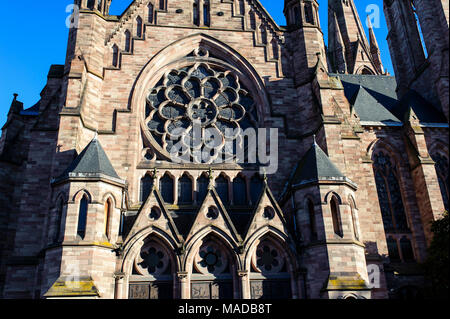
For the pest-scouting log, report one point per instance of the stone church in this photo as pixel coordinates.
(92, 205)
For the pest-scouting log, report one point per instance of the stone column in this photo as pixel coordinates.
(245, 284)
(184, 284)
(119, 277)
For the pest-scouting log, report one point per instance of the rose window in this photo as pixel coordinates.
(199, 97)
(268, 259)
(211, 259)
(152, 260)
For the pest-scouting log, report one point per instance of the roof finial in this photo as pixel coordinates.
(314, 140)
(154, 176)
(211, 177)
(96, 135)
(15, 96)
(265, 175)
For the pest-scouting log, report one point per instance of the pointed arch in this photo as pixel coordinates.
(185, 189)
(336, 216)
(194, 243)
(127, 43)
(167, 188)
(82, 215)
(133, 245)
(139, 27)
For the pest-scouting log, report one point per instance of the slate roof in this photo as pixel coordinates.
(91, 162)
(316, 166)
(375, 99)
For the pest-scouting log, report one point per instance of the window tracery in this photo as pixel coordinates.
(200, 94)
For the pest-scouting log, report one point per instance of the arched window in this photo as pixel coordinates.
(166, 188)
(146, 188)
(127, 41)
(252, 20)
(335, 215)
(202, 188)
(263, 34)
(393, 250)
(206, 13)
(256, 186)
(389, 194)
(139, 27)
(151, 10)
(222, 189)
(239, 191)
(407, 250)
(309, 14)
(59, 213)
(162, 4)
(312, 220)
(443, 177)
(115, 59)
(107, 218)
(82, 216)
(185, 190)
(196, 14)
(275, 49)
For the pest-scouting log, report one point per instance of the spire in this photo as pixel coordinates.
(336, 47)
(345, 27)
(374, 48)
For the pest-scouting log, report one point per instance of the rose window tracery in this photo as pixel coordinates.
(152, 260)
(211, 259)
(268, 258)
(204, 96)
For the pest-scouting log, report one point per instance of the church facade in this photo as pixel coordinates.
(93, 204)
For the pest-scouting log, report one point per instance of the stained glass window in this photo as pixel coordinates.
(184, 190)
(146, 188)
(166, 189)
(389, 194)
(443, 177)
(199, 97)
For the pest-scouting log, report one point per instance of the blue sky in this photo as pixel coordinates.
(34, 36)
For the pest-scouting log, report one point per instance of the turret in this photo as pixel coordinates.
(345, 27)
(101, 6)
(305, 37)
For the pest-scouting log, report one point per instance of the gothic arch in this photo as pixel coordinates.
(79, 195)
(134, 244)
(111, 196)
(380, 144)
(252, 242)
(179, 50)
(195, 242)
(330, 195)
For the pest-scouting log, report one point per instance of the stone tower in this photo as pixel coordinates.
(348, 49)
(419, 45)
(106, 194)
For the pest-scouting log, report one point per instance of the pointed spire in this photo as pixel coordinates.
(345, 27)
(374, 48)
(211, 178)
